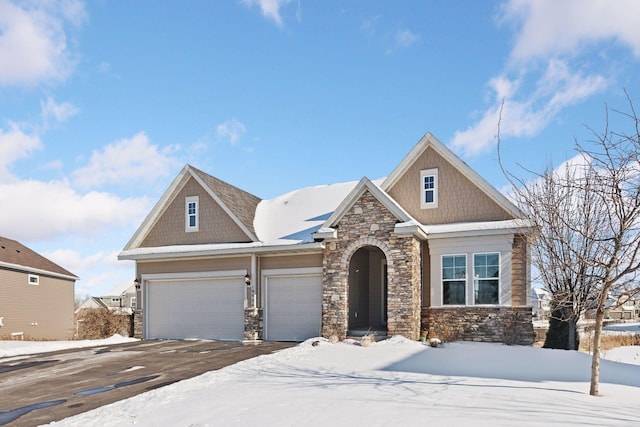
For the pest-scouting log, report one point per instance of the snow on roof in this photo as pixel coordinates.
(293, 217)
(447, 230)
(121, 289)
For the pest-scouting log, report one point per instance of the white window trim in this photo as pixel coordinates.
(466, 280)
(473, 278)
(424, 173)
(187, 201)
(36, 282)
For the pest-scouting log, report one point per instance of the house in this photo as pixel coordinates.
(36, 295)
(541, 303)
(121, 298)
(622, 306)
(431, 249)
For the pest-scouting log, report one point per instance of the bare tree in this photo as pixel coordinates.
(615, 168)
(566, 222)
(587, 244)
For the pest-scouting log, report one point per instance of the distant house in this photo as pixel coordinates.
(624, 306)
(121, 298)
(431, 248)
(36, 295)
(540, 302)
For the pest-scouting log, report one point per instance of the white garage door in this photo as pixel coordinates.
(293, 307)
(199, 308)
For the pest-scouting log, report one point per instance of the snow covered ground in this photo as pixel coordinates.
(397, 382)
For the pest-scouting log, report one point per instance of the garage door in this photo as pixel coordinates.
(293, 307)
(199, 308)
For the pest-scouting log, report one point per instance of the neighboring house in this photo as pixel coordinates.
(624, 306)
(121, 298)
(36, 295)
(91, 303)
(540, 301)
(431, 248)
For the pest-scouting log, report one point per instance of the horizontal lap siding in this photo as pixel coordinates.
(43, 311)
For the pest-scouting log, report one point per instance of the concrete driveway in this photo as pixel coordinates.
(48, 387)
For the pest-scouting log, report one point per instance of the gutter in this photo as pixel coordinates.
(37, 271)
(188, 251)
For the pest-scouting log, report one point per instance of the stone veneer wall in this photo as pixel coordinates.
(253, 324)
(369, 223)
(137, 324)
(511, 325)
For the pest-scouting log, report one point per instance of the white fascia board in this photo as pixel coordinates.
(428, 140)
(410, 228)
(326, 233)
(158, 209)
(512, 226)
(188, 251)
(363, 185)
(37, 271)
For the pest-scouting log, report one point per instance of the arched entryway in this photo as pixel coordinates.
(368, 291)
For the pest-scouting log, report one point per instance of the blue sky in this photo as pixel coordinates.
(103, 102)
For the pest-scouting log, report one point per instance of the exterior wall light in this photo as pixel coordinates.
(247, 279)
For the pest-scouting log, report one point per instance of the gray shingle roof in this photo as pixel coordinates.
(240, 202)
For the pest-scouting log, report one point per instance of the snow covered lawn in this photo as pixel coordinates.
(19, 348)
(395, 382)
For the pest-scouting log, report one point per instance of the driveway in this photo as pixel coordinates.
(48, 387)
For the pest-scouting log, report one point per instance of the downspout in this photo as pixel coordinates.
(254, 275)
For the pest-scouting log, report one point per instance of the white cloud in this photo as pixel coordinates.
(33, 43)
(525, 115)
(127, 160)
(270, 9)
(59, 112)
(406, 38)
(231, 129)
(45, 210)
(550, 27)
(14, 145)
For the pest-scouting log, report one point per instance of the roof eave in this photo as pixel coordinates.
(136, 255)
(33, 270)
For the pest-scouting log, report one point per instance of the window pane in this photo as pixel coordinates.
(192, 221)
(453, 292)
(486, 292)
(428, 196)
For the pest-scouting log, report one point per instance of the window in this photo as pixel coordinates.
(133, 302)
(191, 214)
(34, 279)
(486, 278)
(429, 188)
(454, 279)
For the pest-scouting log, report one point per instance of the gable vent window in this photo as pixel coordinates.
(191, 214)
(34, 279)
(429, 188)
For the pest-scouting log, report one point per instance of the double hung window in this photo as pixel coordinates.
(486, 278)
(454, 279)
(191, 213)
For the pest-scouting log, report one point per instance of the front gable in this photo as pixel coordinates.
(461, 195)
(198, 209)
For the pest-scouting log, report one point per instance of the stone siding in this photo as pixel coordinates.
(369, 223)
(253, 324)
(511, 325)
(137, 323)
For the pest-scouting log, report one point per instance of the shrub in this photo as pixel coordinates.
(96, 323)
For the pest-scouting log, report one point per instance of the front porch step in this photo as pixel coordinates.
(378, 334)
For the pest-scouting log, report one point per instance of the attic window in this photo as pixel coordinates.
(34, 279)
(191, 221)
(429, 188)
